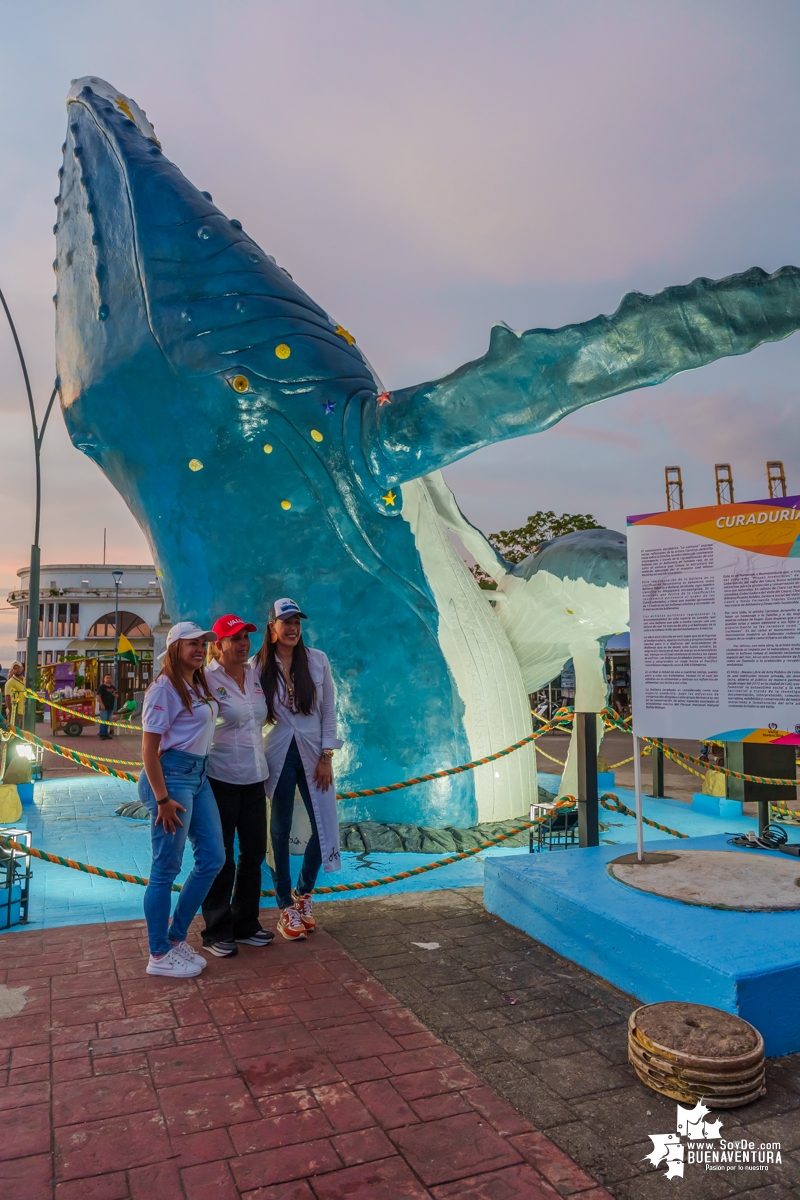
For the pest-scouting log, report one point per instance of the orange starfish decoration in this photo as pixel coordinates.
(383, 399)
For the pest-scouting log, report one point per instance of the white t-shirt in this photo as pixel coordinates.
(237, 754)
(164, 712)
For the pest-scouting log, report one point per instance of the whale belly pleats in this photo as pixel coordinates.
(481, 662)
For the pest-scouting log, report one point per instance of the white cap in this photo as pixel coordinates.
(184, 630)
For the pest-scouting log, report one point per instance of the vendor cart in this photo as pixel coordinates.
(72, 723)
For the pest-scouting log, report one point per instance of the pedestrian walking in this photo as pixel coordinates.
(237, 771)
(299, 741)
(107, 695)
(178, 719)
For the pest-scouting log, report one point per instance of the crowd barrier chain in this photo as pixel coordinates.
(680, 757)
(619, 807)
(95, 764)
(565, 802)
(82, 716)
(612, 719)
(608, 801)
(83, 760)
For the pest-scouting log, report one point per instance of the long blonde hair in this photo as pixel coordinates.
(172, 669)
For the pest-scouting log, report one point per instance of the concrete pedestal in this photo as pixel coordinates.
(658, 948)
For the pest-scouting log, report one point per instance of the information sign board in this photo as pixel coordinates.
(715, 620)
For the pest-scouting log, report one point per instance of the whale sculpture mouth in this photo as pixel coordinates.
(155, 260)
(125, 104)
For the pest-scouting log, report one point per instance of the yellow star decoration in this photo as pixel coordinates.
(389, 498)
(348, 337)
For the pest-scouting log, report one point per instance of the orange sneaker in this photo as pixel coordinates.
(291, 924)
(304, 905)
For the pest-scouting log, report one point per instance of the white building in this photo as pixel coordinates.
(76, 616)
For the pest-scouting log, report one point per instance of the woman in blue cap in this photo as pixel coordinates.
(299, 741)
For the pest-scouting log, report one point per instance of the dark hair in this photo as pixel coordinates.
(305, 691)
(173, 672)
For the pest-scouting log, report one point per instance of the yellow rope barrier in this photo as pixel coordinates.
(74, 865)
(82, 716)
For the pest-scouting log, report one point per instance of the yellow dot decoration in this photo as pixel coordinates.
(240, 383)
(268, 449)
(316, 435)
(195, 464)
(282, 351)
(287, 504)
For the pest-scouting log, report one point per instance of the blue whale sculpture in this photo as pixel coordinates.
(262, 457)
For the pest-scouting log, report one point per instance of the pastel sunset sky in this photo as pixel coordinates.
(424, 168)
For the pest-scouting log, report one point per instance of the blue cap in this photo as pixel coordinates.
(284, 608)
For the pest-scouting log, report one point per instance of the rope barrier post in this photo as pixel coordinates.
(588, 818)
(763, 759)
(637, 783)
(658, 769)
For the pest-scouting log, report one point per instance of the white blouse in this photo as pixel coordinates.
(164, 712)
(237, 754)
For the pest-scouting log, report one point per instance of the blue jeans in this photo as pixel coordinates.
(105, 730)
(280, 826)
(186, 780)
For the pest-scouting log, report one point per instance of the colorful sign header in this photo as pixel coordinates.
(766, 526)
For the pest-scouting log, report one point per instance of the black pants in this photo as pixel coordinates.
(242, 810)
(280, 826)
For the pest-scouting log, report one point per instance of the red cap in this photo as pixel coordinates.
(229, 626)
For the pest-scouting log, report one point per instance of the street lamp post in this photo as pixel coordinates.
(32, 653)
(117, 576)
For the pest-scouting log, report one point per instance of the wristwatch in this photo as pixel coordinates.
(326, 754)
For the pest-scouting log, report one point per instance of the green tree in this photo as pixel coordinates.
(516, 544)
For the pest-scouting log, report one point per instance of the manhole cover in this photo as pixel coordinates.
(715, 879)
(692, 1052)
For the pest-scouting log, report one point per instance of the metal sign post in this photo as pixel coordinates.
(588, 817)
(637, 783)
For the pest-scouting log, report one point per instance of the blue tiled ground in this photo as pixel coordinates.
(75, 818)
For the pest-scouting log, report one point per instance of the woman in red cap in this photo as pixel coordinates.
(237, 771)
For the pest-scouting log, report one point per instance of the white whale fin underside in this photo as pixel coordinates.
(480, 657)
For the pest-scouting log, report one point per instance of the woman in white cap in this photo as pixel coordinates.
(178, 720)
(237, 771)
(299, 741)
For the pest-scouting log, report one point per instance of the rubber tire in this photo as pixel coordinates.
(73, 729)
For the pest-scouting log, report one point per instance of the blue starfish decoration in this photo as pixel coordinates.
(330, 407)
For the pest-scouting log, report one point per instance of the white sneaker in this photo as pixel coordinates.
(174, 964)
(188, 953)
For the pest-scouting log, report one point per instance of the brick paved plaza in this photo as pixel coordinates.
(358, 1064)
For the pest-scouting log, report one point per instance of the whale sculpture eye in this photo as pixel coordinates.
(240, 383)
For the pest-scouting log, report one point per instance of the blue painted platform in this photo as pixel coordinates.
(655, 948)
(75, 818)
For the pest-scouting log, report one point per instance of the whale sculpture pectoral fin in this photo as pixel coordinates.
(528, 381)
